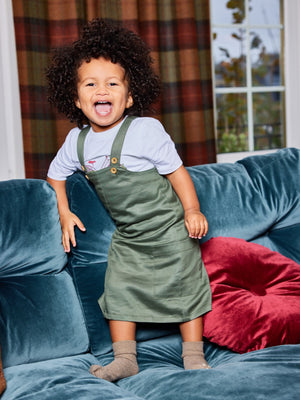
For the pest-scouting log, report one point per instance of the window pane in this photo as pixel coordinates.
(268, 120)
(229, 57)
(227, 12)
(232, 131)
(264, 12)
(265, 57)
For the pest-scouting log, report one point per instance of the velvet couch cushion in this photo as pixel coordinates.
(256, 199)
(255, 293)
(89, 283)
(65, 378)
(30, 233)
(91, 246)
(270, 373)
(41, 318)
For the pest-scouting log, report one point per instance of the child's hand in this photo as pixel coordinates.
(195, 223)
(68, 222)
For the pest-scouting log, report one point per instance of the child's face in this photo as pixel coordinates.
(102, 93)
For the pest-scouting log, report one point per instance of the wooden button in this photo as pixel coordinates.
(114, 160)
(113, 170)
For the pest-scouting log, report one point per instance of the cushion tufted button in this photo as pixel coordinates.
(258, 290)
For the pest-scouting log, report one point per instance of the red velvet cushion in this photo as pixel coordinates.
(2, 378)
(256, 295)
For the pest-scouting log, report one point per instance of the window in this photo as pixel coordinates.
(248, 74)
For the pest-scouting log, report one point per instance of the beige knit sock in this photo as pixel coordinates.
(193, 356)
(124, 364)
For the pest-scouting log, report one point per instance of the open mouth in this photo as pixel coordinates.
(103, 107)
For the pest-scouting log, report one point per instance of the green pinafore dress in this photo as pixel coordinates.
(155, 272)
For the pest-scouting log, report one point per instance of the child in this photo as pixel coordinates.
(105, 82)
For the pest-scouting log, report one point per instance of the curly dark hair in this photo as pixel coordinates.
(113, 42)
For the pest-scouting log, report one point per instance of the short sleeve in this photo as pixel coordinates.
(65, 163)
(158, 147)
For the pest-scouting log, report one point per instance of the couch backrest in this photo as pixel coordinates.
(256, 199)
(40, 314)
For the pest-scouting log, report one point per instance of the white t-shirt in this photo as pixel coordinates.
(146, 145)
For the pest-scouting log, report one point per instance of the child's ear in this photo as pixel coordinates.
(77, 103)
(129, 102)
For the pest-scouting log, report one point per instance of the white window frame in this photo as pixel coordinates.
(11, 148)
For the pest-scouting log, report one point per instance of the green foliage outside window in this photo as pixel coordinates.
(231, 72)
(231, 142)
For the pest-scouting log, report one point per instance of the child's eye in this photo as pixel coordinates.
(90, 84)
(112, 84)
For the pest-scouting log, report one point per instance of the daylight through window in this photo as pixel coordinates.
(248, 76)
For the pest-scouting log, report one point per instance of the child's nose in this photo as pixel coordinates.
(102, 89)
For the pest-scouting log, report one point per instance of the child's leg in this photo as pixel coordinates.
(192, 346)
(122, 330)
(124, 347)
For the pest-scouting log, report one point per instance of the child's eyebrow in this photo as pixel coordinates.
(108, 78)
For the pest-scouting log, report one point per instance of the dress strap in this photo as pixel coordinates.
(117, 145)
(80, 146)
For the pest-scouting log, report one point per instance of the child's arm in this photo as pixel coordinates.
(67, 219)
(183, 185)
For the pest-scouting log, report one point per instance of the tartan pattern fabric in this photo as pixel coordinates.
(178, 33)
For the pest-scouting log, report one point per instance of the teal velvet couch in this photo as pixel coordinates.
(52, 330)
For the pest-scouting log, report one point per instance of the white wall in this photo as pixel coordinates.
(292, 71)
(11, 142)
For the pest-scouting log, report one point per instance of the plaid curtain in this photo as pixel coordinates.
(177, 31)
